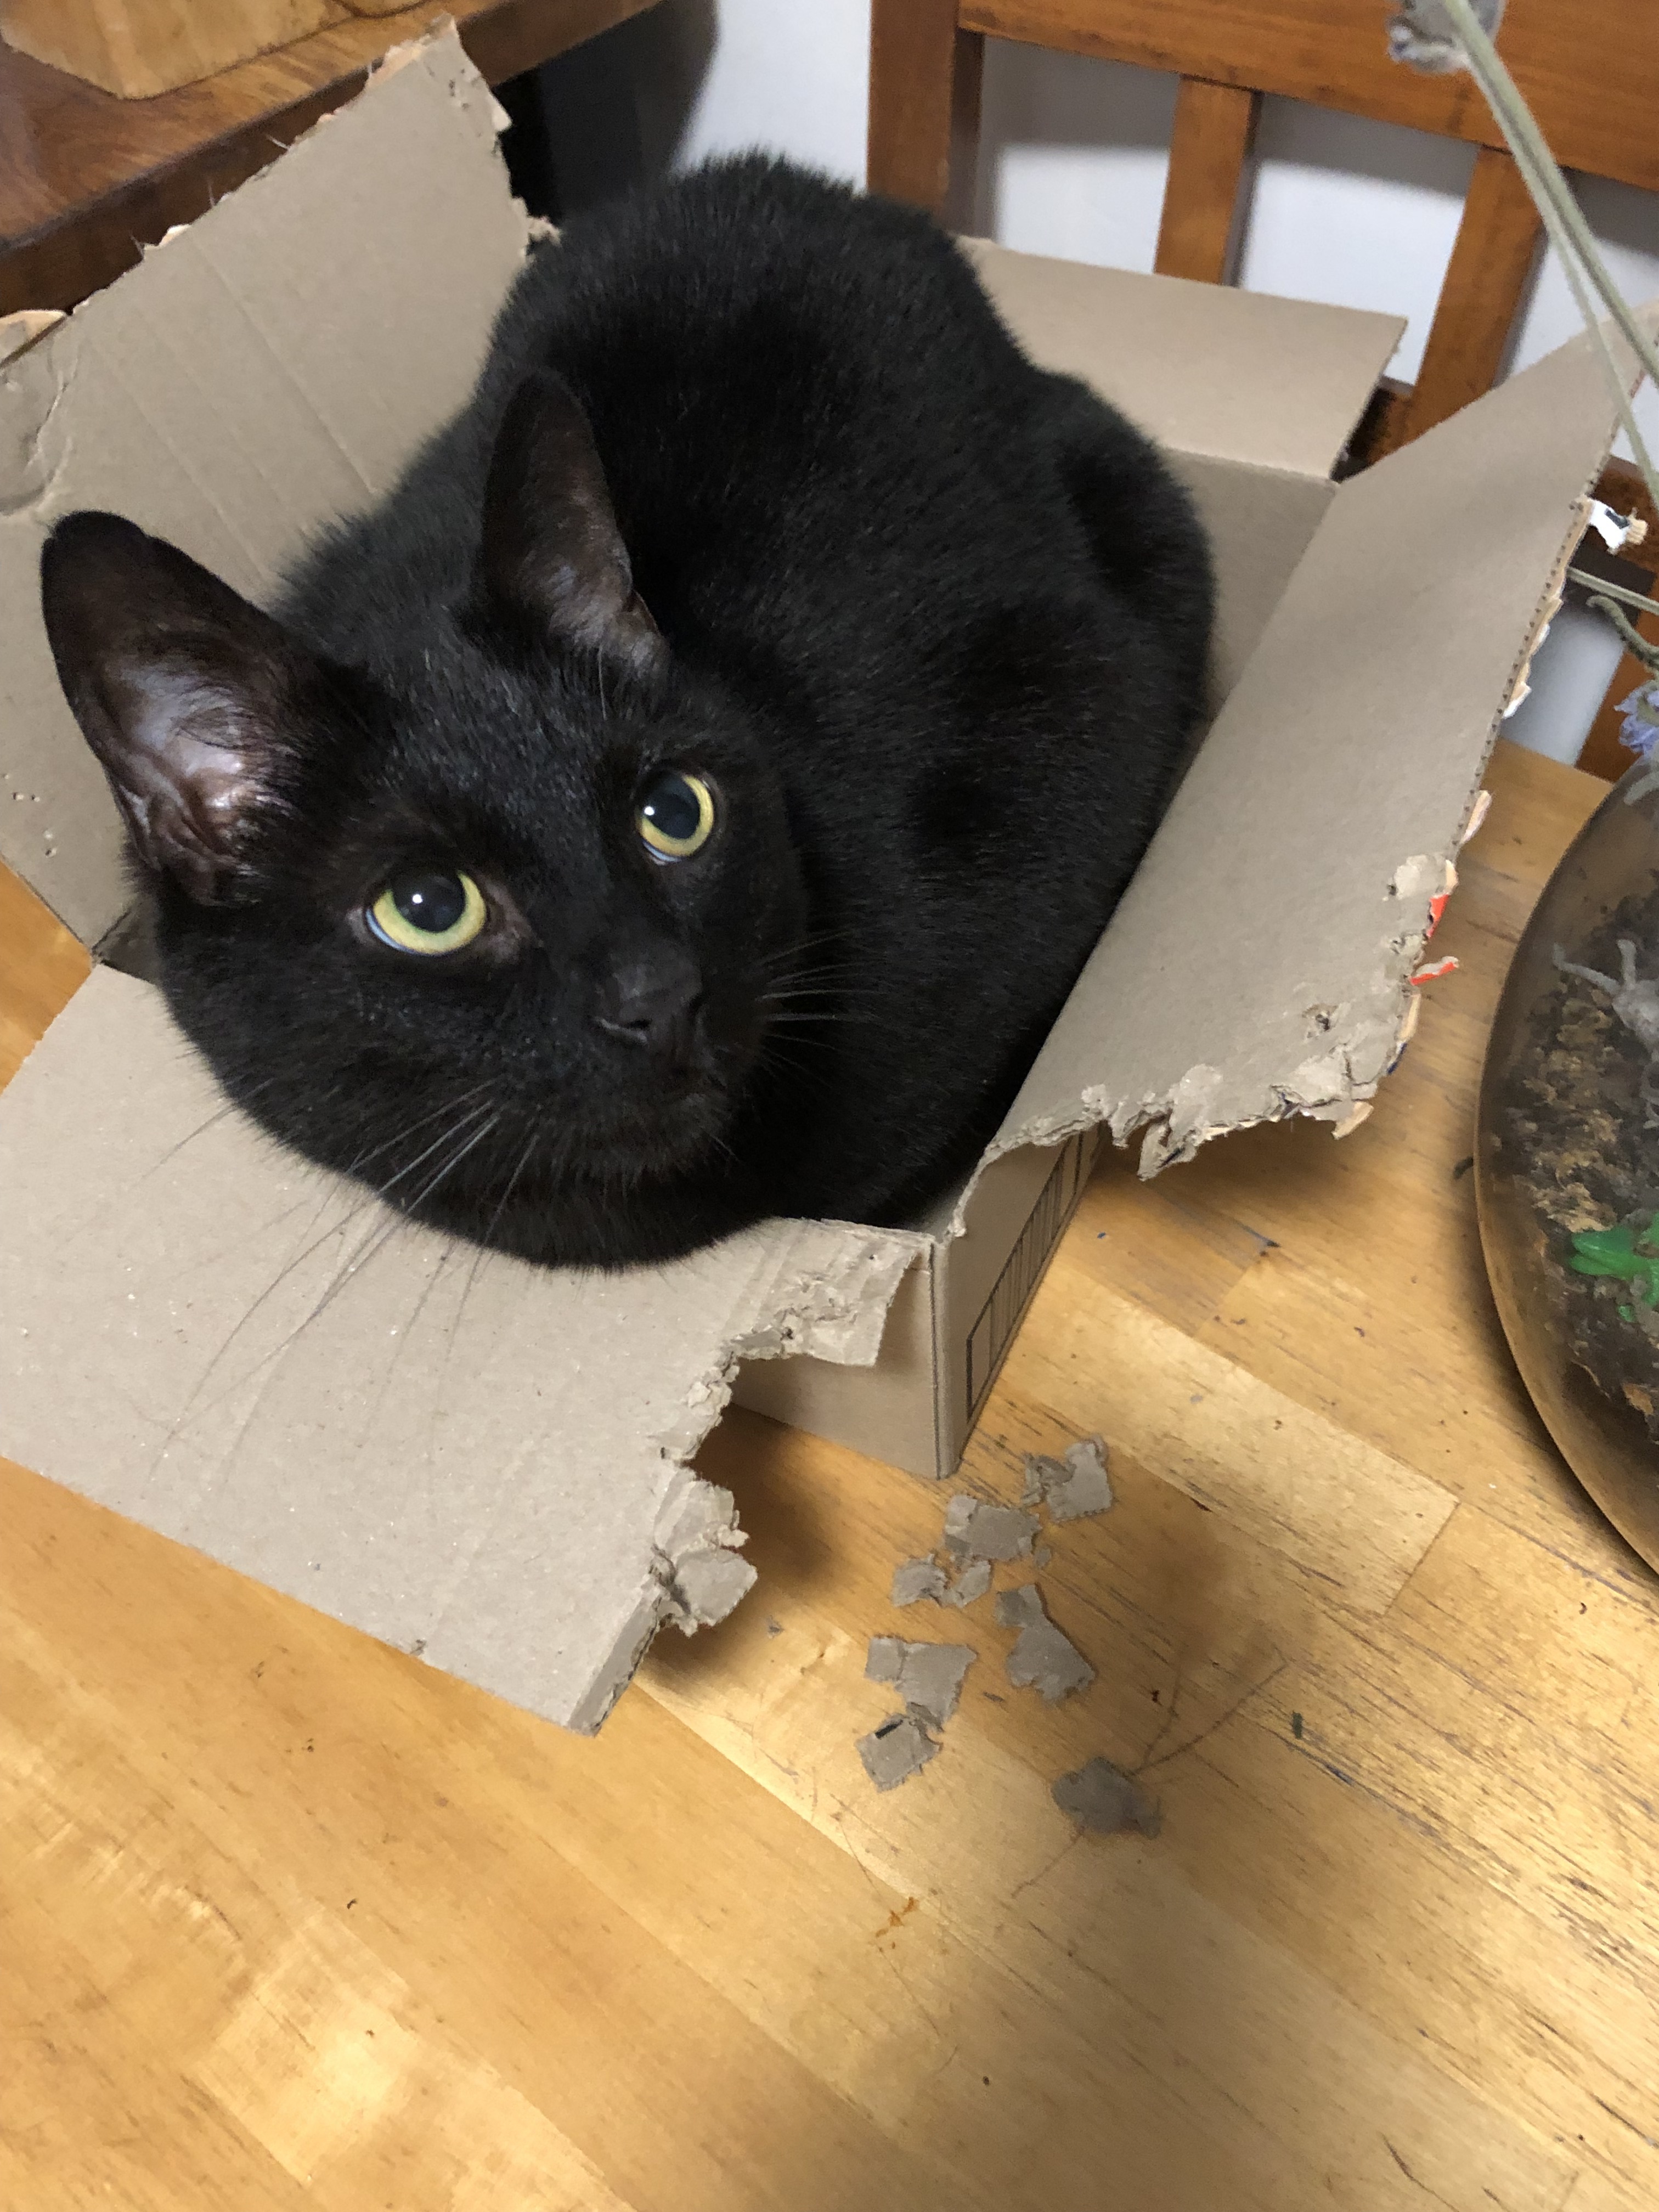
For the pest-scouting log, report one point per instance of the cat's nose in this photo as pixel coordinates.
(651, 1001)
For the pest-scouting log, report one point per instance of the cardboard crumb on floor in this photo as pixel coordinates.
(975, 1530)
(897, 1749)
(928, 1676)
(1105, 1800)
(1071, 1486)
(972, 1583)
(915, 1579)
(1044, 1658)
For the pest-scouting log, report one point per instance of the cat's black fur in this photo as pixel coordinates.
(933, 626)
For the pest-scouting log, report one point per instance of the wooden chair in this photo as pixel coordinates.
(1589, 68)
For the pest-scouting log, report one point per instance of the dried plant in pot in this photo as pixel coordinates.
(1568, 1158)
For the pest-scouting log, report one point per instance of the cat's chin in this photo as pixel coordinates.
(633, 1183)
(671, 1135)
(618, 1202)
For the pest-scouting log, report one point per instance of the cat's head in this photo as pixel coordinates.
(495, 925)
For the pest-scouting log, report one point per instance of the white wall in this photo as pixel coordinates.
(790, 75)
(1074, 154)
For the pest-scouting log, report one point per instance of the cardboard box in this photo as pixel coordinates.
(490, 1465)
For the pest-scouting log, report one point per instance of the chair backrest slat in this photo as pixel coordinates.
(1214, 125)
(1589, 68)
(912, 53)
(1484, 284)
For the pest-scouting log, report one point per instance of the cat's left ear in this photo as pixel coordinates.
(189, 696)
(553, 556)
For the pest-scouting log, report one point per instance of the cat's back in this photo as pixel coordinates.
(782, 282)
(768, 356)
(774, 366)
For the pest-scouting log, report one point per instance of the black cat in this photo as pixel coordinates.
(691, 796)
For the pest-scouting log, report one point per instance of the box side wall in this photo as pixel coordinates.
(1259, 523)
(1260, 961)
(1013, 1222)
(886, 1411)
(950, 1326)
(1204, 369)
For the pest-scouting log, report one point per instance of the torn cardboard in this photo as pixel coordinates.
(464, 1455)
(1371, 702)
(1103, 1800)
(488, 1464)
(928, 1677)
(915, 1579)
(1072, 1486)
(898, 1748)
(1044, 1658)
(971, 1584)
(977, 1530)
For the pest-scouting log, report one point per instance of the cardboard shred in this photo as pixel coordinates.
(1104, 1800)
(898, 1748)
(971, 1584)
(976, 1530)
(928, 1676)
(1072, 1486)
(1044, 1658)
(915, 1579)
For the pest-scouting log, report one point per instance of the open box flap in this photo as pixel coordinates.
(1296, 378)
(208, 395)
(476, 1460)
(1260, 963)
(488, 1463)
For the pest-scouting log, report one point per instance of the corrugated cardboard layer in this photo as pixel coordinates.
(208, 396)
(1268, 383)
(1260, 963)
(475, 1459)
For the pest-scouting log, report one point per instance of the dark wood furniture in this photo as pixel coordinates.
(87, 180)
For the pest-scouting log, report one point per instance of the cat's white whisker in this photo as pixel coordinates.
(451, 1164)
(512, 1184)
(368, 1251)
(198, 1404)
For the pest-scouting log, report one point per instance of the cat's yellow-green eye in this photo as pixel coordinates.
(428, 910)
(675, 815)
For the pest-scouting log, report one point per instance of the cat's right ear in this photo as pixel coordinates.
(553, 556)
(187, 694)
